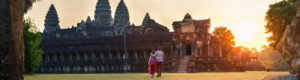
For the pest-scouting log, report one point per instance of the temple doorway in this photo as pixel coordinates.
(188, 49)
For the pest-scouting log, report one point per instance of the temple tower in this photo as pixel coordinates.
(88, 22)
(121, 18)
(146, 19)
(103, 16)
(88, 19)
(151, 26)
(51, 21)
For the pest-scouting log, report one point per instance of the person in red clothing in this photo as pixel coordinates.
(152, 64)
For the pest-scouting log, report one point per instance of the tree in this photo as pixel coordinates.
(32, 40)
(28, 4)
(11, 35)
(271, 59)
(226, 39)
(278, 16)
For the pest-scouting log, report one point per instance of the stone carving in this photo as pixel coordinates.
(289, 45)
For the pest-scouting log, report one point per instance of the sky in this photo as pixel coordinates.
(244, 17)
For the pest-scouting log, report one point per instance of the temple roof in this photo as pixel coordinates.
(202, 22)
(188, 20)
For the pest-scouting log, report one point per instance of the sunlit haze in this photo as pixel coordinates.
(244, 17)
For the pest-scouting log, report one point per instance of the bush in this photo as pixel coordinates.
(33, 53)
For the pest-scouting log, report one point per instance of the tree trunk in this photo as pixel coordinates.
(15, 41)
(3, 38)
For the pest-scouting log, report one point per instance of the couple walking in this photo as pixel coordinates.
(155, 62)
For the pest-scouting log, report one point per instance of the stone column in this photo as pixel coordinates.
(193, 48)
(48, 57)
(70, 56)
(42, 69)
(145, 54)
(93, 56)
(68, 68)
(85, 68)
(110, 54)
(197, 52)
(102, 68)
(102, 55)
(50, 69)
(64, 69)
(208, 49)
(135, 54)
(119, 55)
(77, 56)
(55, 57)
(85, 56)
(62, 55)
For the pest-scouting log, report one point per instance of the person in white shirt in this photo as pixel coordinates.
(159, 54)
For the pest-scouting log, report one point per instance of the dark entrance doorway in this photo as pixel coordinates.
(188, 49)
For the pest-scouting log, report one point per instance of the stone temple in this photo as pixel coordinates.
(94, 46)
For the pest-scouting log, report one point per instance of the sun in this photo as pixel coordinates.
(244, 32)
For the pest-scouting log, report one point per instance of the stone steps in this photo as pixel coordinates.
(183, 64)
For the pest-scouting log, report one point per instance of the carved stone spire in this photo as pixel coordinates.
(188, 18)
(52, 20)
(88, 19)
(88, 23)
(121, 19)
(103, 14)
(146, 19)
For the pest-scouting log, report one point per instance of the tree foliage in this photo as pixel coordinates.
(278, 16)
(28, 4)
(33, 53)
(226, 39)
(271, 59)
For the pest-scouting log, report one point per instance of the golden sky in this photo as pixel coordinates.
(244, 17)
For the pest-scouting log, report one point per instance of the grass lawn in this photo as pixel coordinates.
(249, 75)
